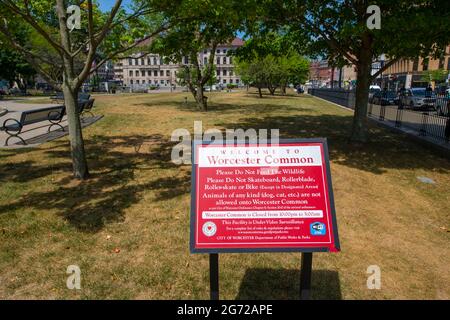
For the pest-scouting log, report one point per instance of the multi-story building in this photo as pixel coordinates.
(410, 73)
(321, 74)
(143, 71)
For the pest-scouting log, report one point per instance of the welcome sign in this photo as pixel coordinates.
(256, 198)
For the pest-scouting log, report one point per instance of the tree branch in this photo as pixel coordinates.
(386, 66)
(28, 18)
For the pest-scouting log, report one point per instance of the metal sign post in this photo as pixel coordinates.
(214, 276)
(243, 193)
(305, 276)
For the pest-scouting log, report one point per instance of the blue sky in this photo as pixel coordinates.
(106, 5)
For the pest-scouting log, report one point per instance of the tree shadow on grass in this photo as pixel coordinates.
(113, 186)
(284, 284)
(225, 108)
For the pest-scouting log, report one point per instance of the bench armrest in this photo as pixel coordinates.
(55, 116)
(19, 125)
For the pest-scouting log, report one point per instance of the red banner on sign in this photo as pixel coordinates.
(262, 198)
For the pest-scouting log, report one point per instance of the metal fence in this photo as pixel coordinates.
(433, 122)
(339, 96)
(423, 123)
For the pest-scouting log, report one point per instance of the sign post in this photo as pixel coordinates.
(214, 276)
(262, 198)
(305, 276)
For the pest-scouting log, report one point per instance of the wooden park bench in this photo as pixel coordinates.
(13, 127)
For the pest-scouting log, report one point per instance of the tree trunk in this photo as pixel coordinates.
(79, 163)
(260, 92)
(271, 90)
(360, 130)
(201, 99)
(283, 89)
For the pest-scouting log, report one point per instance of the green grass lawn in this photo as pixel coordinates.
(128, 226)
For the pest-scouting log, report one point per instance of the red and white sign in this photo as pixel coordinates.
(262, 198)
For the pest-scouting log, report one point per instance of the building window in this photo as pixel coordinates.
(224, 81)
(237, 81)
(130, 62)
(142, 61)
(205, 60)
(137, 81)
(231, 60)
(149, 61)
(425, 64)
(143, 81)
(416, 65)
(131, 73)
(218, 60)
(186, 60)
(161, 73)
(231, 80)
(162, 81)
(155, 73)
(218, 51)
(137, 73)
(224, 60)
(441, 62)
(131, 81)
(224, 72)
(224, 50)
(136, 62)
(231, 72)
(167, 73)
(154, 61)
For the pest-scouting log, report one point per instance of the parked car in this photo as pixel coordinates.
(443, 104)
(418, 98)
(372, 90)
(384, 98)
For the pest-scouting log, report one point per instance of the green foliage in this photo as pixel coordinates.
(408, 27)
(14, 68)
(268, 62)
(337, 30)
(123, 29)
(439, 75)
(196, 25)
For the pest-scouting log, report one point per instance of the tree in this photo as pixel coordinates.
(112, 33)
(339, 31)
(15, 69)
(270, 61)
(205, 25)
(13, 66)
(293, 68)
(436, 76)
(252, 72)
